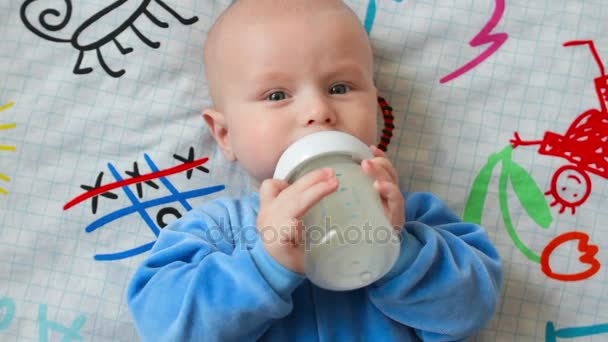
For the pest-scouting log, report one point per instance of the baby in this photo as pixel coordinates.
(279, 70)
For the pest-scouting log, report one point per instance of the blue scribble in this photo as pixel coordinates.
(9, 312)
(370, 15)
(551, 334)
(69, 334)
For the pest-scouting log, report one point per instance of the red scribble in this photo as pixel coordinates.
(485, 36)
(588, 257)
(585, 145)
(569, 197)
(598, 60)
(142, 178)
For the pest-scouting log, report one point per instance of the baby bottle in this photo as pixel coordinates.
(349, 241)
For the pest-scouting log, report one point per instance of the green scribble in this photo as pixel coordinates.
(526, 189)
(529, 194)
(473, 210)
(506, 216)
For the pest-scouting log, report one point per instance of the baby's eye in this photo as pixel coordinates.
(339, 89)
(277, 96)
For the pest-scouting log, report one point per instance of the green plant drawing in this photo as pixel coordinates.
(527, 191)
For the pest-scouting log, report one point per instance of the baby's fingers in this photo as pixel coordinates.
(270, 189)
(307, 191)
(393, 202)
(380, 169)
(376, 151)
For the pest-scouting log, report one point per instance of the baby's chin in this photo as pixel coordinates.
(255, 183)
(257, 177)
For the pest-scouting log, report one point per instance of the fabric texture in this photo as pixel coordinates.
(209, 278)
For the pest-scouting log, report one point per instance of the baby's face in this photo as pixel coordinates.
(285, 75)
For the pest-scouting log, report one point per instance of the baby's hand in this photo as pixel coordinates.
(387, 184)
(281, 209)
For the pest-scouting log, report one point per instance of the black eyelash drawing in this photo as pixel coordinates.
(94, 45)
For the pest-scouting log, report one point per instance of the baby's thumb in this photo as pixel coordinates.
(271, 188)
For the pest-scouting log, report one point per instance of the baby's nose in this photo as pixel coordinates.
(327, 120)
(320, 114)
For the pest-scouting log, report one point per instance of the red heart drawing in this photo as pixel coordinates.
(588, 257)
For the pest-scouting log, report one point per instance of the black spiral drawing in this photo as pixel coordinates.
(94, 45)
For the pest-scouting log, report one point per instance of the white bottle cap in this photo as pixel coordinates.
(316, 145)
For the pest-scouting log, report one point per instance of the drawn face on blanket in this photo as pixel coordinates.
(280, 70)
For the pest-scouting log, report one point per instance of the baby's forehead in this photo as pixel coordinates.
(240, 17)
(240, 33)
(246, 12)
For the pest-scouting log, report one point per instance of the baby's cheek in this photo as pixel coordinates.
(260, 161)
(368, 131)
(271, 141)
(261, 157)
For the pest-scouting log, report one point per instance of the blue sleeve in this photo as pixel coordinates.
(200, 284)
(446, 282)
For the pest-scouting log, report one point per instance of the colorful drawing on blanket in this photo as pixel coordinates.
(6, 147)
(153, 179)
(370, 15)
(551, 335)
(71, 333)
(585, 145)
(485, 36)
(535, 205)
(82, 44)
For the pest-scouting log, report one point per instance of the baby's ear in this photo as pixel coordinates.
(217, 125)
